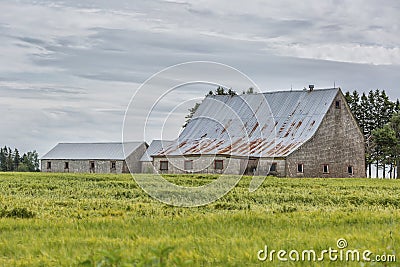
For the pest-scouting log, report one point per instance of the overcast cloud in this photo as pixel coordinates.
(69, 68)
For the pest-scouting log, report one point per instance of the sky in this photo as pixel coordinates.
(69, 69)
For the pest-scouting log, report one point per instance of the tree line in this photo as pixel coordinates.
(11, 160)
(379, 121)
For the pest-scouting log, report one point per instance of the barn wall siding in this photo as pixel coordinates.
(133, 160)
(203, 164)
(82, 166)
(265, 165)
(338, 143)
(147, 167)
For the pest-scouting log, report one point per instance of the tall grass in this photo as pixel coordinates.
(107, 220)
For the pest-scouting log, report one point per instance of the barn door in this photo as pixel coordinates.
(251, 167)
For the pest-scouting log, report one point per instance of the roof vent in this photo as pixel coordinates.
(311, 86)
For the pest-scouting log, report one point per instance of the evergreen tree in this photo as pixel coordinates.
(32, 161)
(10, 161)
(364, 122)
(365, 115)
(3, 159)
(397, 106)
(220, 91)
(231, 92)
(250, 91)
(17, 159)
(395, 125)
(387, 108)
(191, 113)
(354, 102)
(374, 123)
(25, 161)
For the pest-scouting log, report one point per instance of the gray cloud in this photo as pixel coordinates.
(69, 69)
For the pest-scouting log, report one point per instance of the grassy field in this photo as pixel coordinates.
(107, 220)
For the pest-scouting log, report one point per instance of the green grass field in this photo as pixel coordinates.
(107, 220)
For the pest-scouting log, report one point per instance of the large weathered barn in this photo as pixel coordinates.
(308, 133)
(94, 157)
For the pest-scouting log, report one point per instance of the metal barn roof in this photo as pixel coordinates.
(154, 148)
(95, 151)
(244, 125)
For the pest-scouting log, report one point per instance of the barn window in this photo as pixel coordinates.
(350, 170)
(218, 164)
(338, 104)
(300, 168)
(188, 164)
(273, 167)
(49, 165)
(113, 165)
(163, 165)
(66, 165)
(91, 166)
(326, 168)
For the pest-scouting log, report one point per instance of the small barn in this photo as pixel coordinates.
(314, 135)
(94, 157)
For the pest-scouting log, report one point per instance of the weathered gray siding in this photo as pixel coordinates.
(133, 160)
(338, 143)
(83, 166)
(203, 164)
(264, 167)
(147, 167)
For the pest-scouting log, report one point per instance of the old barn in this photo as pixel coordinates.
(311, 133)
(94, 157)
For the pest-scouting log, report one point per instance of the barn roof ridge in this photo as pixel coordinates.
(280, 91)
(112, 142)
